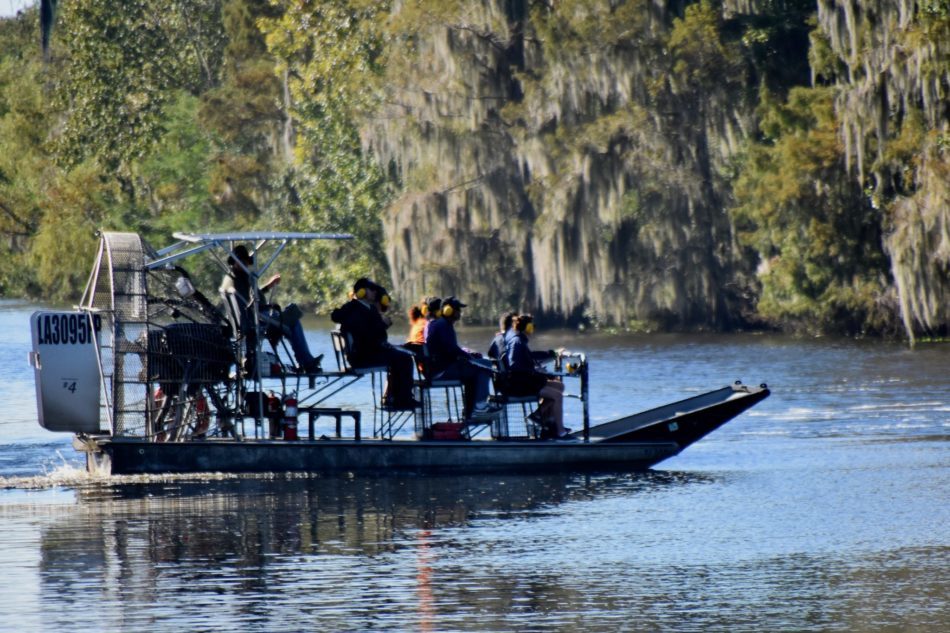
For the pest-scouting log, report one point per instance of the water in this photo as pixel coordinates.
(823, 508)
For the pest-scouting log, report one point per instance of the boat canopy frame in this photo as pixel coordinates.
(132, 288)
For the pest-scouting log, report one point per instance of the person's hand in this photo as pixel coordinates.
(273, 281)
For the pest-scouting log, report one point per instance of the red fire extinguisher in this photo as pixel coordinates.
(290, 417)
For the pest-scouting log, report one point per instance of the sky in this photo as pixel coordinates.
(10, 7)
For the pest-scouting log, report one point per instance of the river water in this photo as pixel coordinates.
(823, 508)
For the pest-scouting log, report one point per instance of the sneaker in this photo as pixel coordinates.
(485, 410)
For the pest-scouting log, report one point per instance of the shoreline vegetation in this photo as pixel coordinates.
(717, 165)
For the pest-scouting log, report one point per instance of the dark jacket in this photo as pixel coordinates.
(498, 350)
(519, 354)
(443, 345)
(365, 327)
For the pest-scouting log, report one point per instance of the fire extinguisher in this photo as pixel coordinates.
(290, 417)
(274, 414)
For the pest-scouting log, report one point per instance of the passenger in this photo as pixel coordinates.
(362, 322)
(448, 361)
(238, 282)
(498, 349)
(433, 311)
(417, 325)
(525, 379)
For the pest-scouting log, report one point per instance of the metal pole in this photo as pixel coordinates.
(585, 398)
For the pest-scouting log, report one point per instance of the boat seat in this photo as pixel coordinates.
(445, 403)
(387, 422)
(233, 316)
(528, 405)
(341, 349)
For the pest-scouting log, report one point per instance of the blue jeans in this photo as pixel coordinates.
(475, 378)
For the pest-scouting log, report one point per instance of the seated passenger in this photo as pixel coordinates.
(417, 327)
(240, 284)
(448, 361)
(362, 322)
(433, 310)
(524, 378)
(497, 350)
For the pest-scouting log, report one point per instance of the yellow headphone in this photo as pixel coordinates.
(424, 309)
(447, 310)
(385, 301)
(529, 329)
(361, 293)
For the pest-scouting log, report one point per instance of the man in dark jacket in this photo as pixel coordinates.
(362, 322)
(448, 361)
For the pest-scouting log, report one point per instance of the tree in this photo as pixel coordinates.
(121, 66)
(818, 238)
(330, 54)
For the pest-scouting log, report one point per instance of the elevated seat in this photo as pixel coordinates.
(387, 421)
(441, 397)
(528, 405)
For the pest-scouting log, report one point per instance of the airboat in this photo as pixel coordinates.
(150, 376)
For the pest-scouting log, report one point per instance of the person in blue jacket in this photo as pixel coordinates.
(449, 361)
(525, 378)
(497, 350)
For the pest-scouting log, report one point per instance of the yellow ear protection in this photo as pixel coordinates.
(385, 301)
(361, 293)
(529, 329)
(448, 310)
(424, 309)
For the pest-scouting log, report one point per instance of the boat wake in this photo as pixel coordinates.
(57, 473)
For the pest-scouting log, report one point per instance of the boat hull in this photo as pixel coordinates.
(131, 456)
(636, 442)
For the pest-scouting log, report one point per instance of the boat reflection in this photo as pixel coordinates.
(247, 520)
(326, 553)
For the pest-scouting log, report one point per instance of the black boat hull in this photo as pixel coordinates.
(636, 442)
(130, 456)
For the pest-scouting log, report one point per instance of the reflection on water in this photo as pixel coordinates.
(246, 517)
(552, 552)
(394, 550)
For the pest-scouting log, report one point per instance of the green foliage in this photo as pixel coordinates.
(164, 115)
(336, 65)
(174, 177)
(65, 242)
(702, 60)
(24, 166)
(818, 238)
(245, 117)
(121, 63)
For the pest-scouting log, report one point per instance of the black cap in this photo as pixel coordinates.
(363, 282)
(454, 302)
